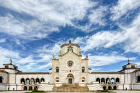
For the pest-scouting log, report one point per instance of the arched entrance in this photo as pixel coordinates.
(25, 87)
(109, 88)
(104, 87)
(115, 87)
(70, 78)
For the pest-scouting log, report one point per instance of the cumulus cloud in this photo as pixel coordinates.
(2, 40)
(46, 16)
(103, 60)
(122, 8)
(128, 35)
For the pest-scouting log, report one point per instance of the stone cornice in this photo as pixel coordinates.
(67, 44)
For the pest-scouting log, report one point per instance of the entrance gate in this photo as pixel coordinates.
(70, 78)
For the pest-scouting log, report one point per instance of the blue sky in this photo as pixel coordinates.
(31, 31)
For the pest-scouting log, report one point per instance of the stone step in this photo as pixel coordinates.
(70, 88)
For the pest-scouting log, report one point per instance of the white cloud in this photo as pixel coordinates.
(128, 35)
(122, 8)
(46, 65)
(96, 17)
(47, 16)
(104, 39)
(2, 40)
(24, 29)
(103, 60)
(95, 69)
(6, 54)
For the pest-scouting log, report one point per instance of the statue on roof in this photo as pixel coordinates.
(53, 56)
(69, 41)
(87, 56)
(128, 61)
(10, 61)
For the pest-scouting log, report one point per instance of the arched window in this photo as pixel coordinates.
(109, 88)
(57, 69)
(117, 80)
(30, 87)
(102, 80)
(37, 80)
(104, 87)
(57, 79)
(27, 80)
(112, 80)
(98, 80)
(1, 79)
(107, 80)
(42, 80)
(25, 87)
(83, 79)
(138, 79)
(115, 88)
(22, 80)
(35, 88)
(83, 69)
(32, 79)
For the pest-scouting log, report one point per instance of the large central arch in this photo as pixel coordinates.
(70, 78)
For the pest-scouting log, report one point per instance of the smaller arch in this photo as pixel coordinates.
(30, 88)
(114, 87)
(35, 88)
(102, 80)
(83, 79)
(70, 75)
(98, 80)
(57, 79)
(109, 88)
(57, 69)
(37, 80)
(1, 79)
(83, 69)
(107, 80)
(22, 80)
(117, 80)
(104, 87)
(32, 79)
(112, 80)
(28, 80)
(42, 80)
(25, 87)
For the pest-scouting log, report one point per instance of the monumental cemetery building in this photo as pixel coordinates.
(70, 73)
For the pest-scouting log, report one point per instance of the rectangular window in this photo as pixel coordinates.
(6, 66)
(132, 66)
(83, 70)
(57, 70)
(15, 68)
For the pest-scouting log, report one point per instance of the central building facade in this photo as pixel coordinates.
(70, 69)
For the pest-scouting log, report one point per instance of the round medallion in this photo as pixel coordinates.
(70, 63)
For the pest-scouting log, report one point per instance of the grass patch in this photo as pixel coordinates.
(37, 92)
(104, 91)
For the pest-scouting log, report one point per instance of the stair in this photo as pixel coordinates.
(70, 88)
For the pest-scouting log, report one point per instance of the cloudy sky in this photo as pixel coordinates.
(31, 31)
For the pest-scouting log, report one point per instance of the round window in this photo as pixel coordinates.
(70, 63)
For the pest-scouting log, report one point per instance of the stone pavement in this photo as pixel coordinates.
(127, 91)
